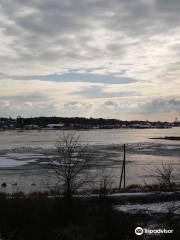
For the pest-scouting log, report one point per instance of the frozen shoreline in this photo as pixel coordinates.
(24, 156)
(160, 207)
(112, 154)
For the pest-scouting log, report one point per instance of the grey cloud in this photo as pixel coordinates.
(3, 76)
(99, 92)
(91, 35)
(52, 30)
(110, 103)
(76, 105)
(167, 6)
(160, 105)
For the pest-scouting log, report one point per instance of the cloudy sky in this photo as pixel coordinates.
(91, 58)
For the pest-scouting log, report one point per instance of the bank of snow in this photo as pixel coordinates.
(162, 207)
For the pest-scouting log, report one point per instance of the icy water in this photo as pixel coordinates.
(46, 139)
(23, 155)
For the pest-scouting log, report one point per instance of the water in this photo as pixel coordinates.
(143, 155)
(47, 139)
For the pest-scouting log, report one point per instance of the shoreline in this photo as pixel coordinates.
(171, 138)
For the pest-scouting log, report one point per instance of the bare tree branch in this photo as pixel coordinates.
(72, 163)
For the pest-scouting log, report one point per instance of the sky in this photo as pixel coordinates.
(90, 58)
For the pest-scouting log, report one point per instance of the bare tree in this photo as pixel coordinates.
(72, 163)
(164, 174)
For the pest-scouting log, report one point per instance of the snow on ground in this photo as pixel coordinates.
(175, 147)
(146, 150)
(8, 162)
(18, 159)
(163, 207)
(23, 156)
(130, 194)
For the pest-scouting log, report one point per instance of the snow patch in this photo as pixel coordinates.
(23, 156)
(163, 207)
(7, 162)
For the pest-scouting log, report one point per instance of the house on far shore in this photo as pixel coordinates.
(55, 125)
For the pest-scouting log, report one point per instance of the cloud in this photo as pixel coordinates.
(46, 34)
(100, 92)
(50, 30)
(76, 105)
(160, 105)
(27, 109)
(110, 104)
(34, 97)
(127, 44)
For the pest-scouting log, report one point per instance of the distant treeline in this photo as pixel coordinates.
(69, 121)
(78, 120)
